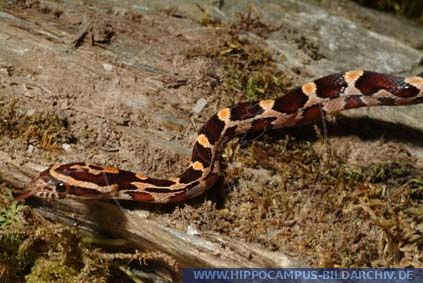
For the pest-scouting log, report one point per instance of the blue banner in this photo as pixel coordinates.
(306, 275)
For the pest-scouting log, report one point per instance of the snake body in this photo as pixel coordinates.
(305, 104)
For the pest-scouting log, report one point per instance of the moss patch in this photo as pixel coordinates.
(47, 130)
(35, 250)
(251, 72)
(318, 208)
(250, 69)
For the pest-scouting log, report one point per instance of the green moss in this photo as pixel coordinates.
(375, 173)
(12, 227)
(318, 206)
(250, 69)
(57, 253)
(46, 270)
(42, 128)
(11, 216)
(38, 251)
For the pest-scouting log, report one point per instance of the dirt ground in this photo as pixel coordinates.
(92, 82)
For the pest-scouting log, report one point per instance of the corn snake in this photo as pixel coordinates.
(305, 104)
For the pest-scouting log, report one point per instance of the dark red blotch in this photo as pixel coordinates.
(291, 102)
(213, 129)
(371, 82)
(330, 86)
(245, 110)
(202, 154)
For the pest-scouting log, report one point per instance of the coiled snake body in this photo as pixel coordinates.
(305, 104)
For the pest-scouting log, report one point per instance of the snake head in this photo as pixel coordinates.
(44, 186)
(75, 181)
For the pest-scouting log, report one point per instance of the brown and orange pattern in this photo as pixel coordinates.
(303, 105)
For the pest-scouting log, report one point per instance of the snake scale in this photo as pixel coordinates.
(305, 104)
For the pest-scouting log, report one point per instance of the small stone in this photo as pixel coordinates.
(66, 147)
(30, 112)
(107, 67)
(30, 149)
(199, 105)
(6, 69)
(192, 230)
(119, 11)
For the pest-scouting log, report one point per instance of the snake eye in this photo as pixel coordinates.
(60, 187)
